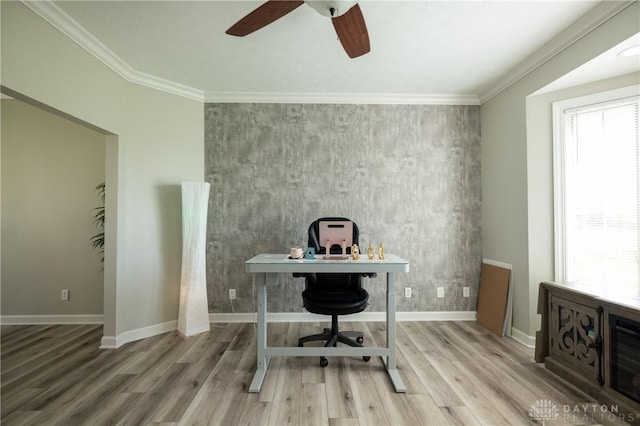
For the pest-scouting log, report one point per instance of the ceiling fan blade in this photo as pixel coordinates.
(267, 13)
(352, 32)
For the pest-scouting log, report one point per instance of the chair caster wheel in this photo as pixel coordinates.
(366, 358)
(360, 340)
(324, 362)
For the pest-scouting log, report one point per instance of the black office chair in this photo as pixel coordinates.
(333, 294)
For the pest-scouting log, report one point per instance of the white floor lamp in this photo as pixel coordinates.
(193, 314)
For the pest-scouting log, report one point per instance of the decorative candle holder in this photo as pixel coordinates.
(381, 251)
(371, 251)
(355, 252)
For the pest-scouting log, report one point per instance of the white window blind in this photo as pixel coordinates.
(602, 194)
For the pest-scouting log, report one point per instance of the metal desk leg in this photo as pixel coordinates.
(390, 363)
(262, 362)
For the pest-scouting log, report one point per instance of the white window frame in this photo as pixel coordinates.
(559, 175)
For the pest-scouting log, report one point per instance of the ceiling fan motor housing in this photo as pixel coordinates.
(346, 18)
(331, 8)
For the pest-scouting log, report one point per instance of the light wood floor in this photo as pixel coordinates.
(455, 372)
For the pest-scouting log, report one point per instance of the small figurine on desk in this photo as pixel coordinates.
(355, 252)
(381, 252)
(371, 251)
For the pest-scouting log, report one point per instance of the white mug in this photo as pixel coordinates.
(296, 252)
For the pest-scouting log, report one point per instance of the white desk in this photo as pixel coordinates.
(268, 266)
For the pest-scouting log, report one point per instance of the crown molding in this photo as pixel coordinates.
(341, 98)
(598, 15)
(60, 20)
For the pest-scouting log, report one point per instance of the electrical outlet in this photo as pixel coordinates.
(465, 291)
(64, 294)
(440, 292)
(232, 294)
(407, 292)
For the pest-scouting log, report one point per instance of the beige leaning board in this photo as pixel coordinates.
(493, 297)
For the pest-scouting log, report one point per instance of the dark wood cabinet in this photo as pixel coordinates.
(575, 340)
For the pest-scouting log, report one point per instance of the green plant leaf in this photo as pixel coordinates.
(97, 241)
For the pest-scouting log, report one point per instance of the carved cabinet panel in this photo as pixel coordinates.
(577, 341)
(576, 337)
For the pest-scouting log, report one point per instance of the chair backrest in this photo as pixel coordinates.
(331, 283)
(314, 235)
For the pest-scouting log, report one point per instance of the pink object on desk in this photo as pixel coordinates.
(339, 232)
(296, 252)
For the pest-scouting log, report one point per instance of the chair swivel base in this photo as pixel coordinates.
(331, 337)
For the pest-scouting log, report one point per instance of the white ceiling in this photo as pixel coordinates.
(455, 49)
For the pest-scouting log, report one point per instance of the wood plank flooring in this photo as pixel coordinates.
(457, 373)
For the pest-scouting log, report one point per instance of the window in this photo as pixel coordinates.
(597, 190)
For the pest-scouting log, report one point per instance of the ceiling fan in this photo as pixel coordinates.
(346, 17)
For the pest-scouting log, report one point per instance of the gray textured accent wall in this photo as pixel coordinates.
(408, 175)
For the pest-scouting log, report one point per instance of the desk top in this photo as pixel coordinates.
(281, 263)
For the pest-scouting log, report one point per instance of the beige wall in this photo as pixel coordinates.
(157, 142)
(50, 167)
(540, 176)
(513, 197)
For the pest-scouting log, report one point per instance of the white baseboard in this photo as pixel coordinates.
(50, 319)
(114, 342)
(111, 342)
(362, 316)
(108, 342)
(525, 339)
